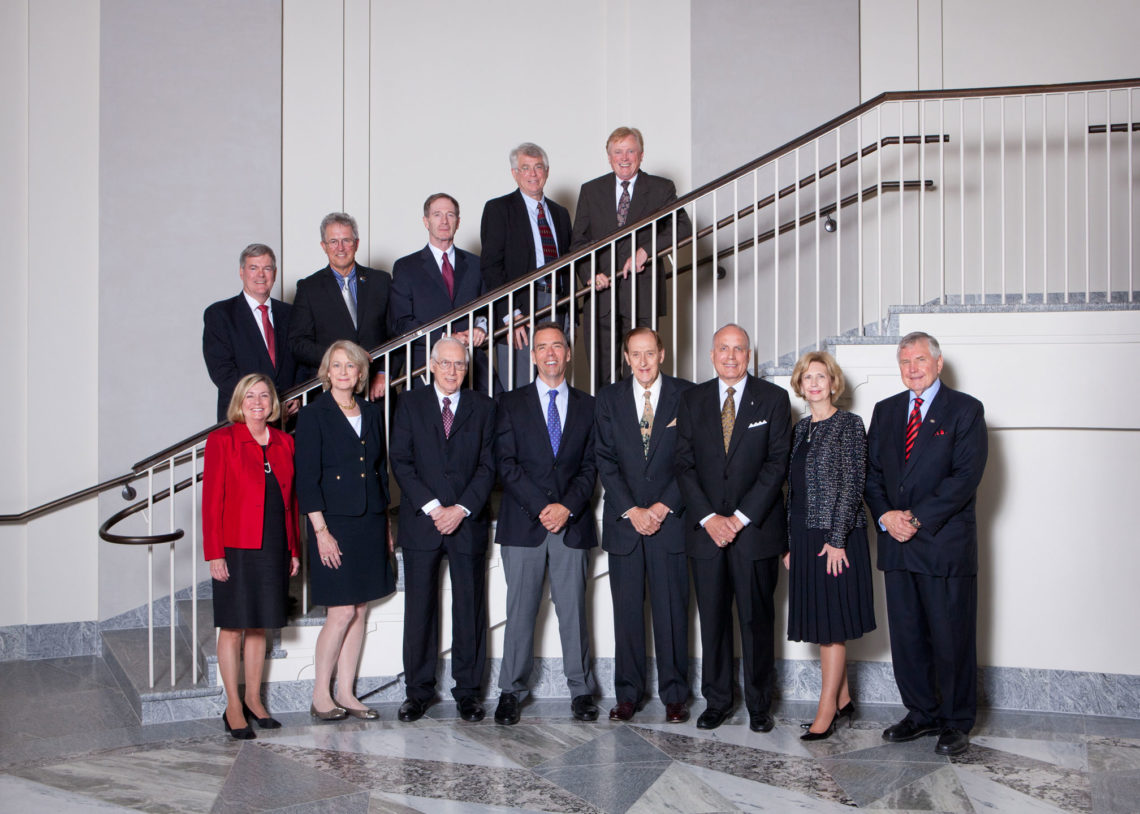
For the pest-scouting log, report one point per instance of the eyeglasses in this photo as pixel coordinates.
(447, 364)
(337, 242)
(527, 169)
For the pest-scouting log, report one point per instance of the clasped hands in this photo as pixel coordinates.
(553, 517)
(898, 525)
(647, 522)
(723, 528)
(447, 518)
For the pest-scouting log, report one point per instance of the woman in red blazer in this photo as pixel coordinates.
(249, 537)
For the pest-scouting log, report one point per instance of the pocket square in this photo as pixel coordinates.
(939, 432)
(759, 423)
(672, 423)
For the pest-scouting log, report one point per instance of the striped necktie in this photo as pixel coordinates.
(912, 426)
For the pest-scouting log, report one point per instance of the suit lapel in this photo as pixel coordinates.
(609, 201)
(521, 217)
(926, 430)
(246, 322)
(573, 417)
(434, 275)
(535, 413)
(331, 283)
(666, 406)
(745, 409)
(637, 203)
(364, 285)
(462, 413)
(281, 336)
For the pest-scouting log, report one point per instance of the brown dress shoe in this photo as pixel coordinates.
(676, 713)
(623, 711)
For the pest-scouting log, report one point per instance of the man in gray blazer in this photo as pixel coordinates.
(606, 205)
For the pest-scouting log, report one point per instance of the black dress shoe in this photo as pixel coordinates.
(470, 709)
(243, 734)
(412, 710)
(711, 718)
(265, 723)
(507, 712)
(623, 711)
(676, 713)
(761, 721)
(952, 742)
(908, 730)
(584, 708)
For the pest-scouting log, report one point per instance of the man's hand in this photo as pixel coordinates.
(554, 517)
(897, 524)
(478, 337)
(601, 281)
(292, 406)
(461, 336)
(641, 257)
(644, 521)
(447, 518)
(722, 529)
(660, 511)
(378, 387)
(522, 337)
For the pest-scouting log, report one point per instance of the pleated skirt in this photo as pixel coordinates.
(828, 609)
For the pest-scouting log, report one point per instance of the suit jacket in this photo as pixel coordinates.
(419, 294)
(233, 489)
(428, 466)
(533, 477)
(938, 484)
(509, 249)
(596, 218)
(748, 478)
(320, 317)
(337, 471)
(628, 476)
(233, 347)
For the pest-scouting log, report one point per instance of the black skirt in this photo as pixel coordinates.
(822, 608)
(257, 591)
(365, 572)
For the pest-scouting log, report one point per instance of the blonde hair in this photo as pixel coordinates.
(838, 383)
(625, 132)
(356, 354)
(234, 413)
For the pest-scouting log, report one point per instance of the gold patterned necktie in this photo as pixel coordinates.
(728, 417)
(646, 423)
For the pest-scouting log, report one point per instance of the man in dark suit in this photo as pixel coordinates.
(521, 232)
(733, 441)
(441, 448)
(435, 280)
(341, 301)
(544, 451)
(926, 451)
(249, 333)
(606, 205)
(642, 526)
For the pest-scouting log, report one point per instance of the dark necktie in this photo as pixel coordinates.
(270, 341)
(553, 424)
(912, 426)
(448, 276)
(549, 249)
(448, 417)
(623, 204)
(728, 417)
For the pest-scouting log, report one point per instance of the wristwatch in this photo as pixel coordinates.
(914, 522)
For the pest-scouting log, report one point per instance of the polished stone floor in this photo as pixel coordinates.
(70, 742)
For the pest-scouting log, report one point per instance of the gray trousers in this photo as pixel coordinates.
(525, 570)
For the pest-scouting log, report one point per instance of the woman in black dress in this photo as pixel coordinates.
(829, 586)
(342, 485)
(249, 538)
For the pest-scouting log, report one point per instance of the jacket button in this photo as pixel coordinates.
(362, 457)
(338, 477)
(362, 475)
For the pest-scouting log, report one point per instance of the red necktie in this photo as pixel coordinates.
(549, 249)
(266, 326)
(448, 276)
(912, 426)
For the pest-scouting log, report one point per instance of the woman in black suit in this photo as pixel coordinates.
(829, 585)
(342, 486)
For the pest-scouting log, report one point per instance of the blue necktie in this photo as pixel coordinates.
(553, 424)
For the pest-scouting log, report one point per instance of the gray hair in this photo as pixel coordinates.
(914, 337)
(341, 218)
(747, 340)
(528, 148)
(257, 250)
(449, 340)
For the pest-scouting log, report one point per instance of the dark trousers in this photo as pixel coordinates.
(752, 583)
(603, 331)
(933, 622)
(668, 576)
(421, 622)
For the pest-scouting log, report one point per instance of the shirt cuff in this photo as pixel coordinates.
(481, 324)
(742, 517)
(706, 519)
(431, 506)
(466, 511)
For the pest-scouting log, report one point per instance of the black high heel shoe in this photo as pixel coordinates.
(847, 711)
(819, 736)
(265, 723)
(243, 734)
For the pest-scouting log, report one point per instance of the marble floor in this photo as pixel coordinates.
(70, 742)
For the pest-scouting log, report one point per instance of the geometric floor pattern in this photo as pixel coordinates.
(70, 743)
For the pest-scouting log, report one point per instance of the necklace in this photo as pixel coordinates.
(346, 407)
